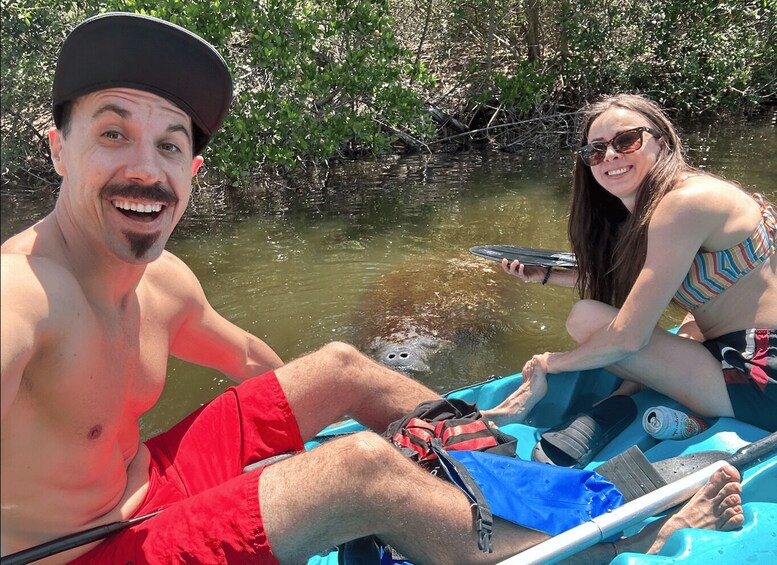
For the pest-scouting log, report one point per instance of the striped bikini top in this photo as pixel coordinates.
(713, 272)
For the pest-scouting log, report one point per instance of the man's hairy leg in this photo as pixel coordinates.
(336, 381)
(361, 485)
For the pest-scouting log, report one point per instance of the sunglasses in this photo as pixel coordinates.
(627, 141)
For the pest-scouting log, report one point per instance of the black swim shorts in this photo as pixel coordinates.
(749, 362)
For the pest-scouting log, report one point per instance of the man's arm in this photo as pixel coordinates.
(17, 329)
(205, 337)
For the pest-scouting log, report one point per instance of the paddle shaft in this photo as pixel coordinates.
(70, 541)
(754, 453)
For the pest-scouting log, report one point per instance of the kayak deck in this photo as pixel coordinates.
(571, 393)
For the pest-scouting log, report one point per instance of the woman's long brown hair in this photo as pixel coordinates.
(610, 243)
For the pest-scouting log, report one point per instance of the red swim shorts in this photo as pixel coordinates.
(211, 508)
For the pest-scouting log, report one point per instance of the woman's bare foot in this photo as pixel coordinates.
(517, 406)
(716, 506)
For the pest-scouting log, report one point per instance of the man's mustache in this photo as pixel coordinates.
(156, 192)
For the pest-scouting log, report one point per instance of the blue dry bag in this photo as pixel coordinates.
(542, 497)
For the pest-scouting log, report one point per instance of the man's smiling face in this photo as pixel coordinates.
(126, 162)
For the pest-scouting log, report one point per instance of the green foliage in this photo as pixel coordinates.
(313, 80)
(694, 55)
(524, 88)
(323, 79)
(25, 61)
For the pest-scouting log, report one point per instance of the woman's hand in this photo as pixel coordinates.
(519, 404)
(525, 273)
(545, 275)
(537, 366)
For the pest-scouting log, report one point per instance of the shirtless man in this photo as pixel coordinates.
(92, 306)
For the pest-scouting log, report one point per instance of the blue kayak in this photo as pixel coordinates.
(572, 393)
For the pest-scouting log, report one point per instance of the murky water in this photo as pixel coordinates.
(301, 270)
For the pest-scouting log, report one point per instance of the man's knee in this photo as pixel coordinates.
(334, 490)
(586, 317)
(360, 463)
(368, 457)
(372, 463)
(340, 354)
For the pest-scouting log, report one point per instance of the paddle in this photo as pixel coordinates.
(659, 500)
(70, 541)
(531, 256)
(635, 476)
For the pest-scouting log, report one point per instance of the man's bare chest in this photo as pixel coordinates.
(99, 376)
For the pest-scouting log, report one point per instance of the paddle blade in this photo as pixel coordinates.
(635, 476)
(531, 256)
(744, 458)
(632, 474)
(683, 465)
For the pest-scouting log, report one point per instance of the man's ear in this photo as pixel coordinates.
(197, 162)
(55, 148)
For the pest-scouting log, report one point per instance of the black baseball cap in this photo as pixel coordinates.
(126, 50)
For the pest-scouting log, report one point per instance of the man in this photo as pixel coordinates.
(92, 306)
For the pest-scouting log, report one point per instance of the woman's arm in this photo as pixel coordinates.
(679, 227)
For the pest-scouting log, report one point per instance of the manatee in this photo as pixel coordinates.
(429, 305)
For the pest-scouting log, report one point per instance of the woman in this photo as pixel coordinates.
(648, 229)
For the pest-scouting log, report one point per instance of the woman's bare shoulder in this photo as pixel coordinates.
(713, 206)
(702, 193)
(702, 186)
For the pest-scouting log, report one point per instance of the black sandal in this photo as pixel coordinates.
(575, 442)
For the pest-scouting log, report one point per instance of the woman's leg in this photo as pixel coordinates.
(678, 367)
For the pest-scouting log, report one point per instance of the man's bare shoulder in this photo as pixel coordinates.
(41, 301)
(171, 273)
(37, 285)
(20, 268)
(171, 278)
(33, 240)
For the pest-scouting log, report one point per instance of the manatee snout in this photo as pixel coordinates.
(428, 306)
(407, 355)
